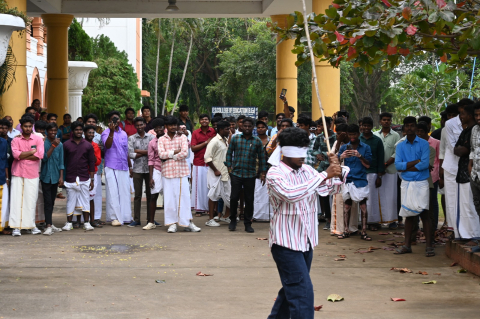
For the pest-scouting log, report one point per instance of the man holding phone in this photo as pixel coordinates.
(27, 150)
(117, 177)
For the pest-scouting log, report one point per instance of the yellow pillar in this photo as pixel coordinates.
(57, 62)
(14, 101)
(286, 69)
(328, 77)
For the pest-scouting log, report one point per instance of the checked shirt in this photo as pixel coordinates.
(242, 156)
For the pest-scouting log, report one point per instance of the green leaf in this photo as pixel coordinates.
(475, 42)
(432, 18)
(431, 282)
(331, 12)
(368, 42)
(329, 26)
(402, 37)
(446, 15)
(370, 33)
(290, 21)
(462, 53)
(300, 20)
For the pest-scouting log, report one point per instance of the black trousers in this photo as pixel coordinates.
(138, 180)
(49, 195)
(325, 204)
(248, 193)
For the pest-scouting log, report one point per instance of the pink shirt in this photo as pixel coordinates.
(436, 164)
(153, 158)
(26, 168)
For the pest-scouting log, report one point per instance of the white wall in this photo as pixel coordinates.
(39, 62)
(122, 32)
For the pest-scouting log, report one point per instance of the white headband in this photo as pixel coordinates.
(288, 151)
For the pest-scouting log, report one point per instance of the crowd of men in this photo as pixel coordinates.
(220, 170)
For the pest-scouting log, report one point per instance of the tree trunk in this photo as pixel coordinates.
(184, 72)
(169, 69)
(156, 68)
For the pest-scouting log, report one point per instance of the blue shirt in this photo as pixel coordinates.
(52, 165)
(3, 160)
(358, 172)
(409, 152)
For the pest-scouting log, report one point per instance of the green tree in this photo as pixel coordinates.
(79, 43)
(113, 86)
(103, 48)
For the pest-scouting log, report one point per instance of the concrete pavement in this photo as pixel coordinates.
(111, 273)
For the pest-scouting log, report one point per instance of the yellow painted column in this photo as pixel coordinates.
(328, 77)
(57, 62)
(286, 69)
(14, 101)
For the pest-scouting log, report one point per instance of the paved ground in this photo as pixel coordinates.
(79, 275)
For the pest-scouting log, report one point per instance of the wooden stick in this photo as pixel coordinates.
(314, 73)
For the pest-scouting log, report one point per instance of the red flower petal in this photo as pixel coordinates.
(441, 3)
(340, 37)
(336, 6)
(398, 299)
(351, 51)
(411, 30)
(404, 52)
(444, 58)
(391, 50)
(386, 3)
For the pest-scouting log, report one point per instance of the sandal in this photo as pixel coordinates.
(96, 224)
(372, 227)
(100, 222)
(344, 235)
(76, 225)
(429, 252)
(365, 237)
(6, 232)
(403, 250)
(198, 215)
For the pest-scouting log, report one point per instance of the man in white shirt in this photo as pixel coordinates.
(453, 128)
(12, 132)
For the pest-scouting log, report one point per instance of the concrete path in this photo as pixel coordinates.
(111, 273)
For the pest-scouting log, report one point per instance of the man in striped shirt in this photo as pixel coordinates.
(293, 189)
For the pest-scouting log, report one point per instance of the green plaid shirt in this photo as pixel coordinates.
(242, 156)
(320, 147)
(311, 158)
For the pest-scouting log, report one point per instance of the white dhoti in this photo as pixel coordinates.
(261, 203)
(157, 179)
(199, 197)
(176, 197)
(40, 209)
(387, 195)
(373, 203)
(78, 197)
(451, 201)
(23, 202)
(415, 197)
(337, 223)
(98, 197)
(117, 187)
(217, 188)
(356, 194)
(4, 203)
(93, 192)
(468, 224)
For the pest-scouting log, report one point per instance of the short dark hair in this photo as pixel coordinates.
(231, 119)
(222, 124)
(261, 123)
(328, 120)
(293, 136)
(241, 117)
(29, 108)
(476, 106)
(340, 120)
(40, 125)
(76, 124)
(146, 107)
(51, 126)
(425, 119)
(353, 128)
(360, 121)
(216, 119)
(5, 122)
(129, 109)
(443, 115)
(90, 116)
(43, 113)
(218, 115)
(138, 119)
(287, 120)
(469, 109)
(305, 120)
(249, 119)
(183, 108)
(88, 127)
(35, 100)
(465, 101)
(278, 115)
(342, 127)
(385, 114)
(112, 113)
(367, 120)
(422, 126)
(50, 115)
(409, 120)
(203, 115)
(170, 120)
(262, 114)
(66, 114)
(157, 122)
(9, 124)
(452, 108)
(27, 119)
(291, 109)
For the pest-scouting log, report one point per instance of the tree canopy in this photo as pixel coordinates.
(371, 32)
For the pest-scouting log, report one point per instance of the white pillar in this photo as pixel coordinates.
(78, 72)
(8, 24)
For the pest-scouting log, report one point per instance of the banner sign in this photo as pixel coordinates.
(235, 111)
